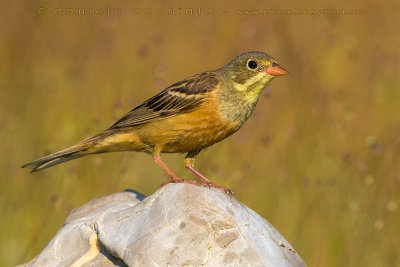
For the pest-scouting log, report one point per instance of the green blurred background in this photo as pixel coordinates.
(319, 158)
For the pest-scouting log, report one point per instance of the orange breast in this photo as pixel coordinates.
(185, 132)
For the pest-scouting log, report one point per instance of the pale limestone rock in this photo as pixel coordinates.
(179, 225)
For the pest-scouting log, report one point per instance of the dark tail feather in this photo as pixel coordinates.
(56, 158)
(76, 151)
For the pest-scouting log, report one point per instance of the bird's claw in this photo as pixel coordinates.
(179, 180)
(210, 184)
(223, 188)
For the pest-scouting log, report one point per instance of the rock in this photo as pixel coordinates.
(179, 225)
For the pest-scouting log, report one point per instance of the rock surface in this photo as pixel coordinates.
(179, 225)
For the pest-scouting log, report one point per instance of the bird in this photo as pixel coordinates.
(186, 117)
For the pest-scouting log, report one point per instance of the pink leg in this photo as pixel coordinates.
(188, 165)
(171, 174)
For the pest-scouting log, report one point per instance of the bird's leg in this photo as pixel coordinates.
(189, 163)
(171, 174)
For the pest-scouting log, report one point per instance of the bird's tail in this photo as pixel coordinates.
(82, 148)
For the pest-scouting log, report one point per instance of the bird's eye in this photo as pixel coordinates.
(252, 64)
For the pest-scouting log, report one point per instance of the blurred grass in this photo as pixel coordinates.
(319, 158)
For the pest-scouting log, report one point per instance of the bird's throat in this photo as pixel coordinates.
(252, 88)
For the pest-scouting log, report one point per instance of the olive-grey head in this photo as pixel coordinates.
(251, 72)
(246, 77)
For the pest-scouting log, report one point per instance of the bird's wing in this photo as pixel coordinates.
(181, 97)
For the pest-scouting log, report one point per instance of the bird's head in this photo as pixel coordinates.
(251, 72)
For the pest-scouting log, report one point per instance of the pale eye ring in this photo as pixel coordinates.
(252, 64)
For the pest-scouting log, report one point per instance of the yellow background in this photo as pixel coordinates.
(319, 158)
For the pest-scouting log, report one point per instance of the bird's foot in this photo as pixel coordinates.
(210, 184)
(223, 188)
(207, 182)
(180, 180)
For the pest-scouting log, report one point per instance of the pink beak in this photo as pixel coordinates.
(276, 70)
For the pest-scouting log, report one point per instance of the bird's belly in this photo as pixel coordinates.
(196, 139)
(186, 132)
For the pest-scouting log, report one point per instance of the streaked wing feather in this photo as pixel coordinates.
(181, 97)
